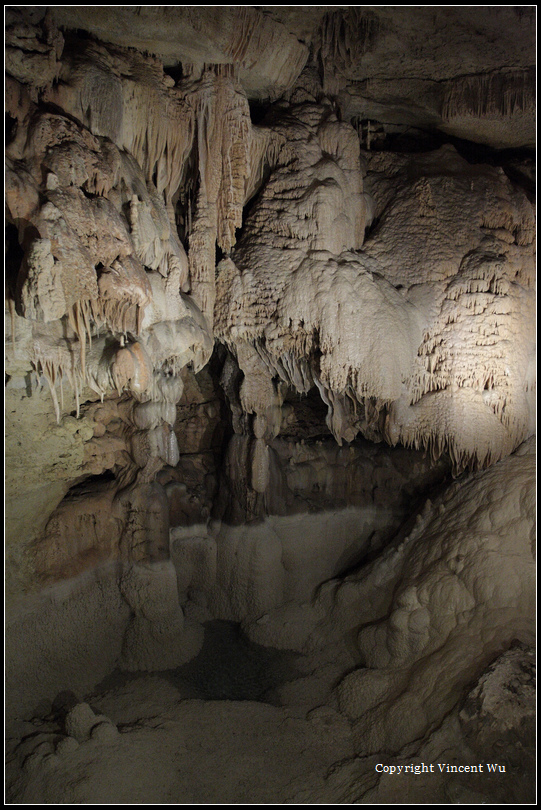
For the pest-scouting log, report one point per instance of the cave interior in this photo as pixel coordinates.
(270, 399)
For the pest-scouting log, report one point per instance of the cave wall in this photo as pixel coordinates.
(260, 303)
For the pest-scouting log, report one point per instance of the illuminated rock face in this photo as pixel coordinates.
(424, 334)
(260, 303)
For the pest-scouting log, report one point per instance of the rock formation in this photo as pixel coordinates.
(270, 400)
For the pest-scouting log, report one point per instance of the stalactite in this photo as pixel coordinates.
(223, 138)
(77, 323)
(57, 361)
(11, 309)
(501, 93)
(343, 38)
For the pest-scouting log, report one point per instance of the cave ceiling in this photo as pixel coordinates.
(440, 67)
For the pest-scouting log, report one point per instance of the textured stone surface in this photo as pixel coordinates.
(314, 754)
(465, 574)
(66, 637)
(213, 752)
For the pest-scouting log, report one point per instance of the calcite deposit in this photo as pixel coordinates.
(270, 402)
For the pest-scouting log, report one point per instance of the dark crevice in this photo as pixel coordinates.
(258, 110)
(10, 128)
(228, 667)
(231, 667)
(91, 485)
(13, 260)
(372, 229)
(176, 72)
(518, 164)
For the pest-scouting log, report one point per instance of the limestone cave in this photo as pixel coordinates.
(270, 399)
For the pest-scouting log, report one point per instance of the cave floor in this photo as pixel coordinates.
(149, 741)
(176, 751)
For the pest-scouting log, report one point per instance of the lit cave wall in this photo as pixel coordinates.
(270, 404)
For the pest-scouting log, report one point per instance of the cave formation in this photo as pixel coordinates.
(270, 404)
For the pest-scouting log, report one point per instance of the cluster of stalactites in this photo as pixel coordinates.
(103, 271)
(297, 301)
(127, 98)
(343, 37)
(502, 93)
(425, 341)
(130, 100)
(121, 111)
(148, 369)
(223, 137)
